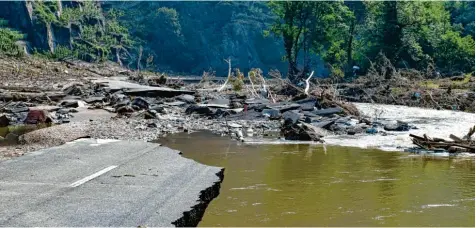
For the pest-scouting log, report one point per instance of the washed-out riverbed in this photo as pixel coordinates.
(305, 185)
(279, 184)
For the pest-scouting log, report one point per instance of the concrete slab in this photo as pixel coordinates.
(92, 182)
(141, 90)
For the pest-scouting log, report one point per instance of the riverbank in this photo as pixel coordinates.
(108, 101)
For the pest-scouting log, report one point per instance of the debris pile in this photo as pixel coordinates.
(455, 145)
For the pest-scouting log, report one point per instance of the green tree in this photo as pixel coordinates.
(310, 27)
(409, 34)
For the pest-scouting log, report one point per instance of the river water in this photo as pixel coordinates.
(277, 184)
(307, 185)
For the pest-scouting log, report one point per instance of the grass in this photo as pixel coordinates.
(429, 84)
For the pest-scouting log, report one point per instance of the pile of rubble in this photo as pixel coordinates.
(159, 110)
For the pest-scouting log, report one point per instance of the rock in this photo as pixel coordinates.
(152, 125)
(36, 116)
(70, 103)
(291, 117)
(16, 107)
(141, 103)
(150, 114)
(307, 104)
(249, 132)
(4, 121)
(324, 124)
(366, 121)
(90, 100)
(121, 103)
(65, 120)
(204, 110)
(124, 109)
(11, 137)
(302, 132)
(272, 114)
(399, 126)
(157, 108)
(371, 130)
(222, 101)
(187, 98)
(328, 111)
(236, 104)
(257, 107)
(109, 109)
(63, 111)
(351, 132)
(236, 110)
(73, 89)
(175, 103)
(285, 107)
(48, 108)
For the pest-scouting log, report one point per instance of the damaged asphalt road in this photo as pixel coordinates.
(91, 182)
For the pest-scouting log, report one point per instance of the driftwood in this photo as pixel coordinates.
(456, 144)
(229, 75)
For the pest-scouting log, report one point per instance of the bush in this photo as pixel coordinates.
(454, 52)
(8, 39)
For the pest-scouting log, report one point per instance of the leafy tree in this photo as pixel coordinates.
(462, 16)
(410, 34)
(311, 27)
(8, 39)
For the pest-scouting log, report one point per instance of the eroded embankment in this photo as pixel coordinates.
(193, 217)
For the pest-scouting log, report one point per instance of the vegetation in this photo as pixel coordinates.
(411, 34)
(310, 27)
(335, 35)
(8, 39)
(98, 41)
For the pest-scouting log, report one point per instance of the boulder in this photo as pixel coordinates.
(36, 116)
(90, 100)
(272, 114)
(70, 103)
(302, 132)
(4, 121)
(157, 108)
(187, 98)
(203, 110)
(140, 102)
(291, 117)
(74, 89)
(124, 109)
(150, 114)
(399, 126)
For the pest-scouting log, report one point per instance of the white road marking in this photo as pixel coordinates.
(90, 177)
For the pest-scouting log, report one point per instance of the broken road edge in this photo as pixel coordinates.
(194, 216)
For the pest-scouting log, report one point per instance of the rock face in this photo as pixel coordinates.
(40, 35)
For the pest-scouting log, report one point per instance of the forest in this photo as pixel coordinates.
(294, 37)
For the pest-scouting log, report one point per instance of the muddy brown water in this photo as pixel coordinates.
(305, 185)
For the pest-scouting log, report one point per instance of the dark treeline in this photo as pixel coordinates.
(297, 37)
